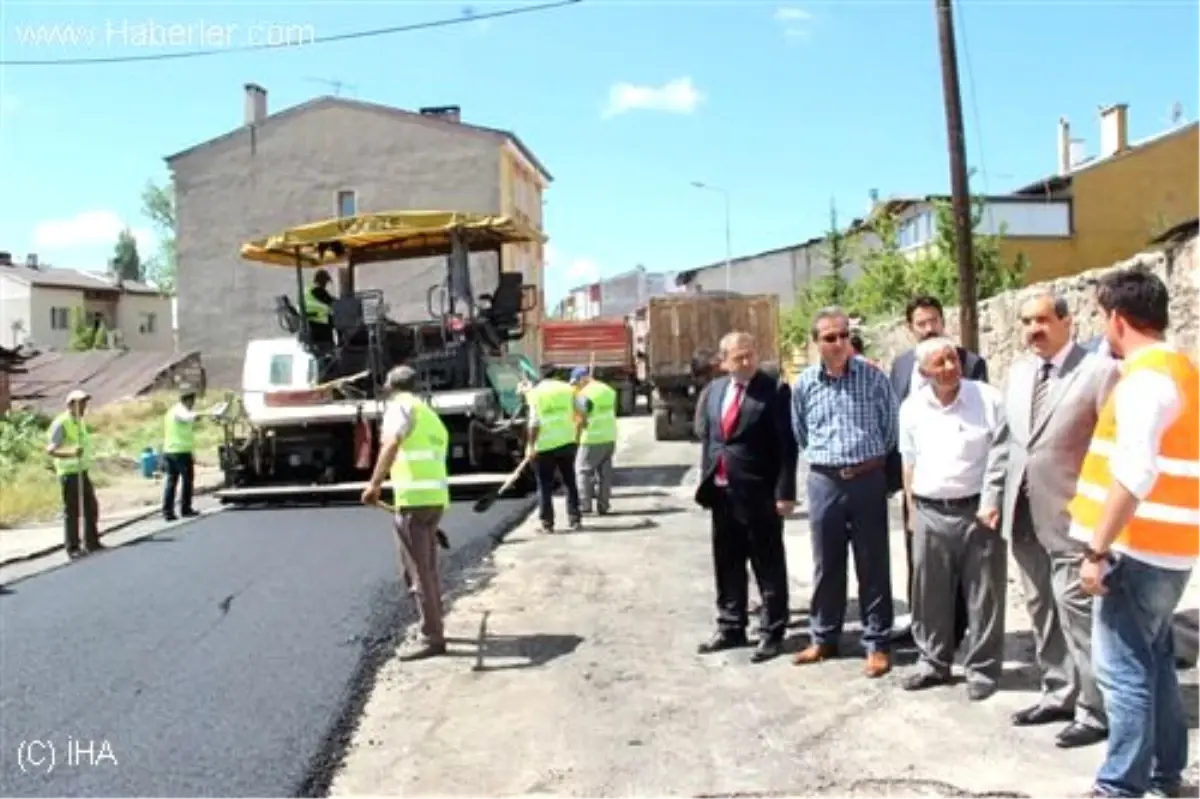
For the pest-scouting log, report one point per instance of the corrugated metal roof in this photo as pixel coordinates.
(52, 277)
(108, 375)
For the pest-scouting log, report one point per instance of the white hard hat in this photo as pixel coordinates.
(77, 395)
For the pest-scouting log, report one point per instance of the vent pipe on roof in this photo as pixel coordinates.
(1064, 146)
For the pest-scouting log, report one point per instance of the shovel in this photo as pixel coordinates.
(489, 499)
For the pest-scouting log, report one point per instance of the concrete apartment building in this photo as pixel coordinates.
(38, 304)
(325, 158)
(1093, 211)
(618, 295)
(783, 271)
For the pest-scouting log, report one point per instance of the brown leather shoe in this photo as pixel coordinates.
(814, 653)
(878, 664)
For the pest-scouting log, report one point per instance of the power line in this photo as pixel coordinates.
(341, 37)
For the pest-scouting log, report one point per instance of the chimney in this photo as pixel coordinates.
(449, 113)
(6, 259)
(31, 260)
(1114, 129)
(256, 103)
(1077, 153)
(1064, 146)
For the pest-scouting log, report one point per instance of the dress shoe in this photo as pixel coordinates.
(923, 679)
(92, 549)
(74, 554)
(767, 649)
(1039, 714)
(576, 525)
(878, 664)
(814, 653)
(189, 513)
(902, 637)
(977, 691)
(170, 517)
(1075, 735)
(722, 641)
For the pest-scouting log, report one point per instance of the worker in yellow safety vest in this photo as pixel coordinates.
(554, 407)
(318, 308)
(70, 446)
(179, 444)
(413, 449)
(1137, 508)
(597, 442)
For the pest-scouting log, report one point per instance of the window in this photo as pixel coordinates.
(281, 370)
(347, 203)
(60, 318)
(148, 324)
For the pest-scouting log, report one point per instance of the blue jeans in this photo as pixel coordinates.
(1134, 653)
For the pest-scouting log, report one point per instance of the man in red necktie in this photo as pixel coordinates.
(748, 465)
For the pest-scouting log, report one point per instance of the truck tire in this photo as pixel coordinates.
(670, 426)
(626, 401)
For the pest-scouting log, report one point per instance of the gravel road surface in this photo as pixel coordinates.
(219, 658)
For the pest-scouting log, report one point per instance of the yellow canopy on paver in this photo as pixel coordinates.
(388, 236)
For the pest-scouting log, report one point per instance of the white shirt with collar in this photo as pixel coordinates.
(731, 392)
(947, 445)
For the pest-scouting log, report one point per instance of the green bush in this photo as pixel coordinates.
(22, 437)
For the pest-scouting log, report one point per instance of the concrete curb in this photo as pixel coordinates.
(129, 521)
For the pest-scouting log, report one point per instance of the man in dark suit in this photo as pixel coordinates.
(748, 482)
(926, 320)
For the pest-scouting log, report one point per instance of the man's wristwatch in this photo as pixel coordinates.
(1092, 556)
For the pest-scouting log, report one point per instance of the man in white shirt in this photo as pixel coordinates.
(1136, 510)
(946, 431)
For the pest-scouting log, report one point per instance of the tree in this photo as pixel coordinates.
(935, 271)
(882, 288)
(83, 333)
(158, 205)
(126, 263)
(830, 288)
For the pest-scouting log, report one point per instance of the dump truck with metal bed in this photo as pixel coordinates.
(683, 333)
(307, 424)
(605, 345)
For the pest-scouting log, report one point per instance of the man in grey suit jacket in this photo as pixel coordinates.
(1053, 398)
(926, 321)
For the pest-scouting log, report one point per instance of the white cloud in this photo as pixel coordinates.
(578, 271)
(583, 270)
(677, 96)
(791, 14)
(87, 230)
(795, 22)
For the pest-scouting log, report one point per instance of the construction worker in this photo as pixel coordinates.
(551, 446)
(1137, 507)
(70, 446)
(414, 446)
(597, 441)
(179, 435)
(318, 307)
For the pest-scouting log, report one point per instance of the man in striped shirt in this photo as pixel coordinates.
(844, 416)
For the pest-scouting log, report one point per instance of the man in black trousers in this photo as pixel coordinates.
(748, 483)
(925, 321)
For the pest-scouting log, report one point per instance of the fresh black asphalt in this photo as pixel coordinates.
(226, 657)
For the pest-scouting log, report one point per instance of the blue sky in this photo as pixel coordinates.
(784, 105)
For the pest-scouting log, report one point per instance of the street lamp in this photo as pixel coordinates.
(728, 239)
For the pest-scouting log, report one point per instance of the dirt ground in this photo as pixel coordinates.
(574, 673)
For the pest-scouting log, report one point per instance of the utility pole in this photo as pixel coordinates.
(968, 314)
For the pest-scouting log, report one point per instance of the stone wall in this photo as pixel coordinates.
(999, 329)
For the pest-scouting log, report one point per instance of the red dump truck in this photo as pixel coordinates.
(604, 344)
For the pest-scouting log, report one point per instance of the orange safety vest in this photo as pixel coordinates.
(1165, 529)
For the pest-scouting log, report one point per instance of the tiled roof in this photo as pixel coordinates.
(108, 375)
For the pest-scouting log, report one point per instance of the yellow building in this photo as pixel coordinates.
(1094, 211)
(522, 183)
